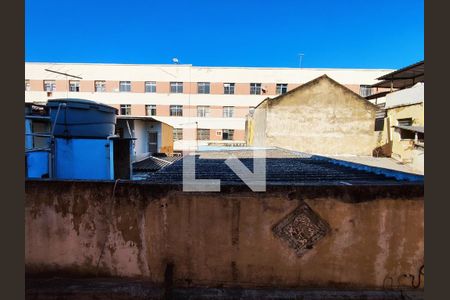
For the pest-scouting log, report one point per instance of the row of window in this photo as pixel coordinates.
(205, 134)
(177, 110)
(150, 87)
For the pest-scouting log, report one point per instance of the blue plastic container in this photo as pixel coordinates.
(80, 118)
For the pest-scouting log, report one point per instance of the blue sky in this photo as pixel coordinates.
(346, 34)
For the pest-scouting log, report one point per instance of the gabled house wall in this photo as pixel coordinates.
(320, 117)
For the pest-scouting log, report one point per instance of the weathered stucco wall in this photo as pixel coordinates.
(402, 150)
(321, 117)
(77, 228)
(259, 123)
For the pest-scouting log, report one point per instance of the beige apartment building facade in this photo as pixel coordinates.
(205, 105)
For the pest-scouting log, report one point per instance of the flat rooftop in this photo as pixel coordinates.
(284, 167)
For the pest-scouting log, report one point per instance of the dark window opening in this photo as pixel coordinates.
(407, 134)
(227, 134)
(379, 124)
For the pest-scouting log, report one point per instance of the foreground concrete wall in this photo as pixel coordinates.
(321, 117)
(78, 228)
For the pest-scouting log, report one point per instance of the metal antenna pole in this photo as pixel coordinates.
(65, 74)
(300, 59)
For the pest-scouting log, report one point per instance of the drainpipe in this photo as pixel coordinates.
(52, 143)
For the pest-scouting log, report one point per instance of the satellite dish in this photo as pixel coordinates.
(175, 60)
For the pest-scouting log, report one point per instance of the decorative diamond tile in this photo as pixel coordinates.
(301, 229)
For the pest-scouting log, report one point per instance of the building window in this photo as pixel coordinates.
(177, 134)
(203, 134)
(125, 86)
(282, 88)
(100, 86)
(365, 90)
(255, 88)
(176, 87)
(227, 134)
(150, 87)
(49, 85)
(176, 110)
(405, 122)
(228, 88)
(379, 124)
(150, 110)
(228, 111)
(125, 109)
(406, 134)
(202, 111)
(27, 85)
(74, 86)
(203, 87)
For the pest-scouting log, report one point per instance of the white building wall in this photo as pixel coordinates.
(413, 95)
(188, 73)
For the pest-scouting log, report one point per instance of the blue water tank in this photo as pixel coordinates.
(82, 118)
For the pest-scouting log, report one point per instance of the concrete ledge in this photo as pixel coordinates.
(112, 288)
(399, 175)
(345, 193)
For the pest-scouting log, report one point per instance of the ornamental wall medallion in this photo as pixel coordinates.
(301, 229)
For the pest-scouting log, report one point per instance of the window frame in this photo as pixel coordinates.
(402, 121)
(228, 132)
(231, 88)
(365, 90)
(127, 108)
(206, 111)
(203, 88)
(176, 87)
(76, 85)
(280, 87)
(203, 137)
(177, 134)
(152, 108)
(255, 87)
(176, 108)
(125, 83)
(228, 111)
(52, 84)
(103, 86)
(151, 85)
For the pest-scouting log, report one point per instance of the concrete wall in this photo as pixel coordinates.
(401, 148)
(321, 117)
(223, 239)
(259, 124)
(418, 159)
(166, 139)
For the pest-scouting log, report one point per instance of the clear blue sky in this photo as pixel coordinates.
(347, 33)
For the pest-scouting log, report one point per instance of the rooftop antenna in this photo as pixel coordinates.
(64, 74)
(175, 61)
(300, 59)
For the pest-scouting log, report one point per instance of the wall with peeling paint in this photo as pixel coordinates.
(375, 235)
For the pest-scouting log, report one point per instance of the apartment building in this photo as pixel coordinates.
(205, 105)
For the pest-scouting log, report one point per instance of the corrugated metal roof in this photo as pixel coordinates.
(153, 164)
(283, 167)
(404, 77)
(420, 129)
